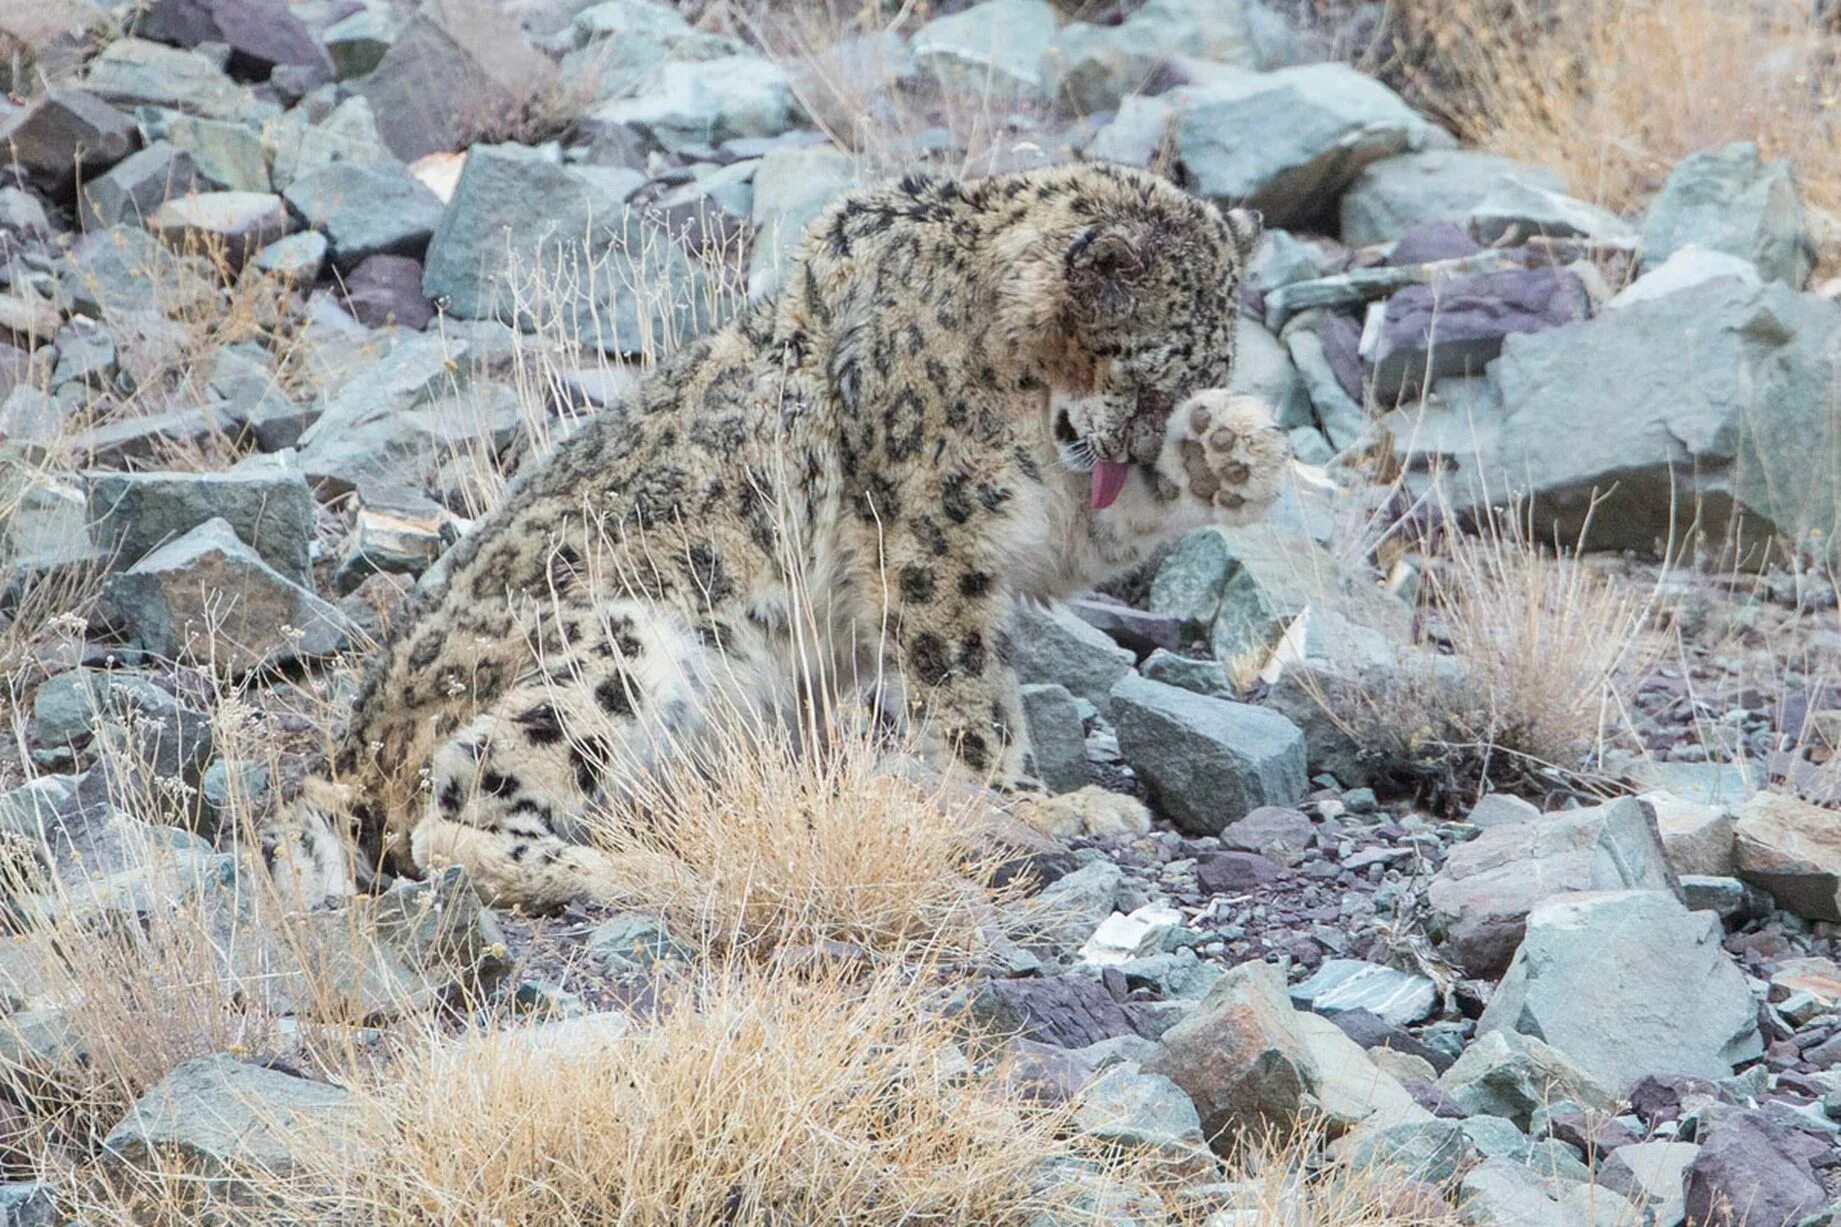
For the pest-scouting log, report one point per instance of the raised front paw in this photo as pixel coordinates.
(1226, 451)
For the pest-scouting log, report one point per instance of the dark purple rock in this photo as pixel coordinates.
(1657, 1098)
(1067, 1011)
(178, 23)
(1342, 343)
(1044, 1073)
(1432, 1097)
(65, 133)
(1135, 629)
(1370, 1030)
(383, 289)
(1753, 1172)
(1591, 1133)
(1229, 873)
(265, 34)
(1432, 241)
(1456, 325)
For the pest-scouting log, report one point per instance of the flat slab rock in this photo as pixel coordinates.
(1066, 1011)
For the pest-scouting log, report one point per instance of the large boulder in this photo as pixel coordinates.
(66, 134)
(459, 67)
(366, 210)
(706, 102)
(1752, 1171)
(1792, 849)
(626, 286)
(1128, 1110)
(1092, 68)
(1513, 1076)
(1207, 761)
(207, 596)
(791, 188)
(1704, 399)
(1480, 900)
(993, 48)
(1395, 195)
(1627, 984)
(270, 508)
(1055, 646)
(1733, 201)
(229, 1124)
(1287, 142)
(1241, 1057)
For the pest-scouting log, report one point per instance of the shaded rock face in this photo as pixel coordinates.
(1481, 898)
(1391, 197)
(1730, 200)
(1702, 395)
(1752, 1172)
(1793, 850)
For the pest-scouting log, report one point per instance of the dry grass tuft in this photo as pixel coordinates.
(1522, 683)
(753, 1097)
(1612, 93)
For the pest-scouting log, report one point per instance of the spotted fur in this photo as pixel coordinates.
(902, 435)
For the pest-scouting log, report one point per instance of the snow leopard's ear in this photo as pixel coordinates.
(1104, 263)
(1244, 226)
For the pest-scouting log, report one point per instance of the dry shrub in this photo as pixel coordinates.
(755, 1096)
(1522, 685)
(1611, 93)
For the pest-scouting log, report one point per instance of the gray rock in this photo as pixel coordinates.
(1456, 326)
(1090, 68)
(1334, 411)
(1697, 838)
(1731, 900)
(1274, 575)
(116, 272)
(1263, 368)
(1392, 196)
(1350, 291)
(1512, 1076)
(299, 144)
(1287, 142)
(1065, 1011)
(1139, 1113)
(133, 514)
(136, 72)
(1792, 849)
(1240, 1056)
(27, 1204)
(234, 225)
(208, 596)
(1068, 909)
(66, 134)
(1432, 1151)
(1057, 737)
(297, 259)
(1480, 900)
(1282, 835)
(1499, 809)
(86, 354)
(636, 940)
(706, 102)
(1515, 210)
(229, 1125)
(1055, 646)
(1207, 761)
(1653, 1175)
(992, 48)
(457, 68)
(358, 43)
(1628, 983)
(228, 155)
(1726, 375)
(631, 285)
(366, 210)
(1137, 135)
(261, 35)
(1207, 677)
(1730, 200)
(1689, 266)
(791, 188)
(1397, 997)
(166, 738)
(1504, 1193)
(1496, 1138)
(1753, 1172)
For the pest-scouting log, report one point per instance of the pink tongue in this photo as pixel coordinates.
(1108, 479)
